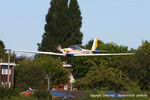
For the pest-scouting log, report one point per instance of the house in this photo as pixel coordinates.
(4, 74)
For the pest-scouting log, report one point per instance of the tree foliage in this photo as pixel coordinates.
(62, 26)
(81, 65)
(105, 78)
(55, 27)
(75, 24)
(2, 44)
(137, 67)
(33, 73)
(114, 72)
(3, 54)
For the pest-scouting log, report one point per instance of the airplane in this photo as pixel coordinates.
(75, 50)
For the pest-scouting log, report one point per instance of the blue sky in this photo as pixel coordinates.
(125, 22)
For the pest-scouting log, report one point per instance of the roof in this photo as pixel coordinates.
(112, 94)
(11, 64)
(59, 94)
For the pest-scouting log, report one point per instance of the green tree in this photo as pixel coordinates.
(56, 26)
(75, 23)
(81, 65)
(3, 54)
(136, 67)
(62, 26)
(2, 44)
(105, 78)
(32, 73)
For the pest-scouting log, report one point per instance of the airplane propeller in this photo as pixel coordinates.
(60, 49)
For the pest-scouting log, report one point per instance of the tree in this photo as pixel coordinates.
(81, 65)
(3, 54)
(56, 26)
(136, 67)
(105, 78)
(62, 26)
(32, 73)
(75, 23)
(2, 44)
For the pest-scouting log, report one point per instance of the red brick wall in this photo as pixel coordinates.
(3, 78)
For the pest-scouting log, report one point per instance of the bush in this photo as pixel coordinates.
(20, 98)
(42, 95)
(4, 92)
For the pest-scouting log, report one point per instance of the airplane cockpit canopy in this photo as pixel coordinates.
(75, 47)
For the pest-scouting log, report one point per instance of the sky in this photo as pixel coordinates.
(124, 22)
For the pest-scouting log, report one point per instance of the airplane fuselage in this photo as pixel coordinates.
(71, 52)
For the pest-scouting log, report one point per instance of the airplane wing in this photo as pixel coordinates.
(105, 54)
(62, 54)
(39, 52)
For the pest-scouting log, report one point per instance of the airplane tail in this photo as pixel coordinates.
(95, 45)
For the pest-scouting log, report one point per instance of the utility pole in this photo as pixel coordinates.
(8, 69)
(48, 80)
(48, 84)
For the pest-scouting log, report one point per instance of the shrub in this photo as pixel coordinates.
(42, 95)
(4, 92)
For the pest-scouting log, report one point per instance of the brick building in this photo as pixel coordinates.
(4, 74)
(67, 85)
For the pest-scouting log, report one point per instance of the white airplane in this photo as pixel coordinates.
(75, 50)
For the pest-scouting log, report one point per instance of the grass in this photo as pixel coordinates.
(89, 98)
(131, 98)
(22, 98)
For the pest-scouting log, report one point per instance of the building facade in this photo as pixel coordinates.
(4, 74)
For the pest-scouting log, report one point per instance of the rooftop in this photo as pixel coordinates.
(11, 64)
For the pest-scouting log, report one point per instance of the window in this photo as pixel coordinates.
(4, 84)
(75, 47)
(5, 71)
(65, 87)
